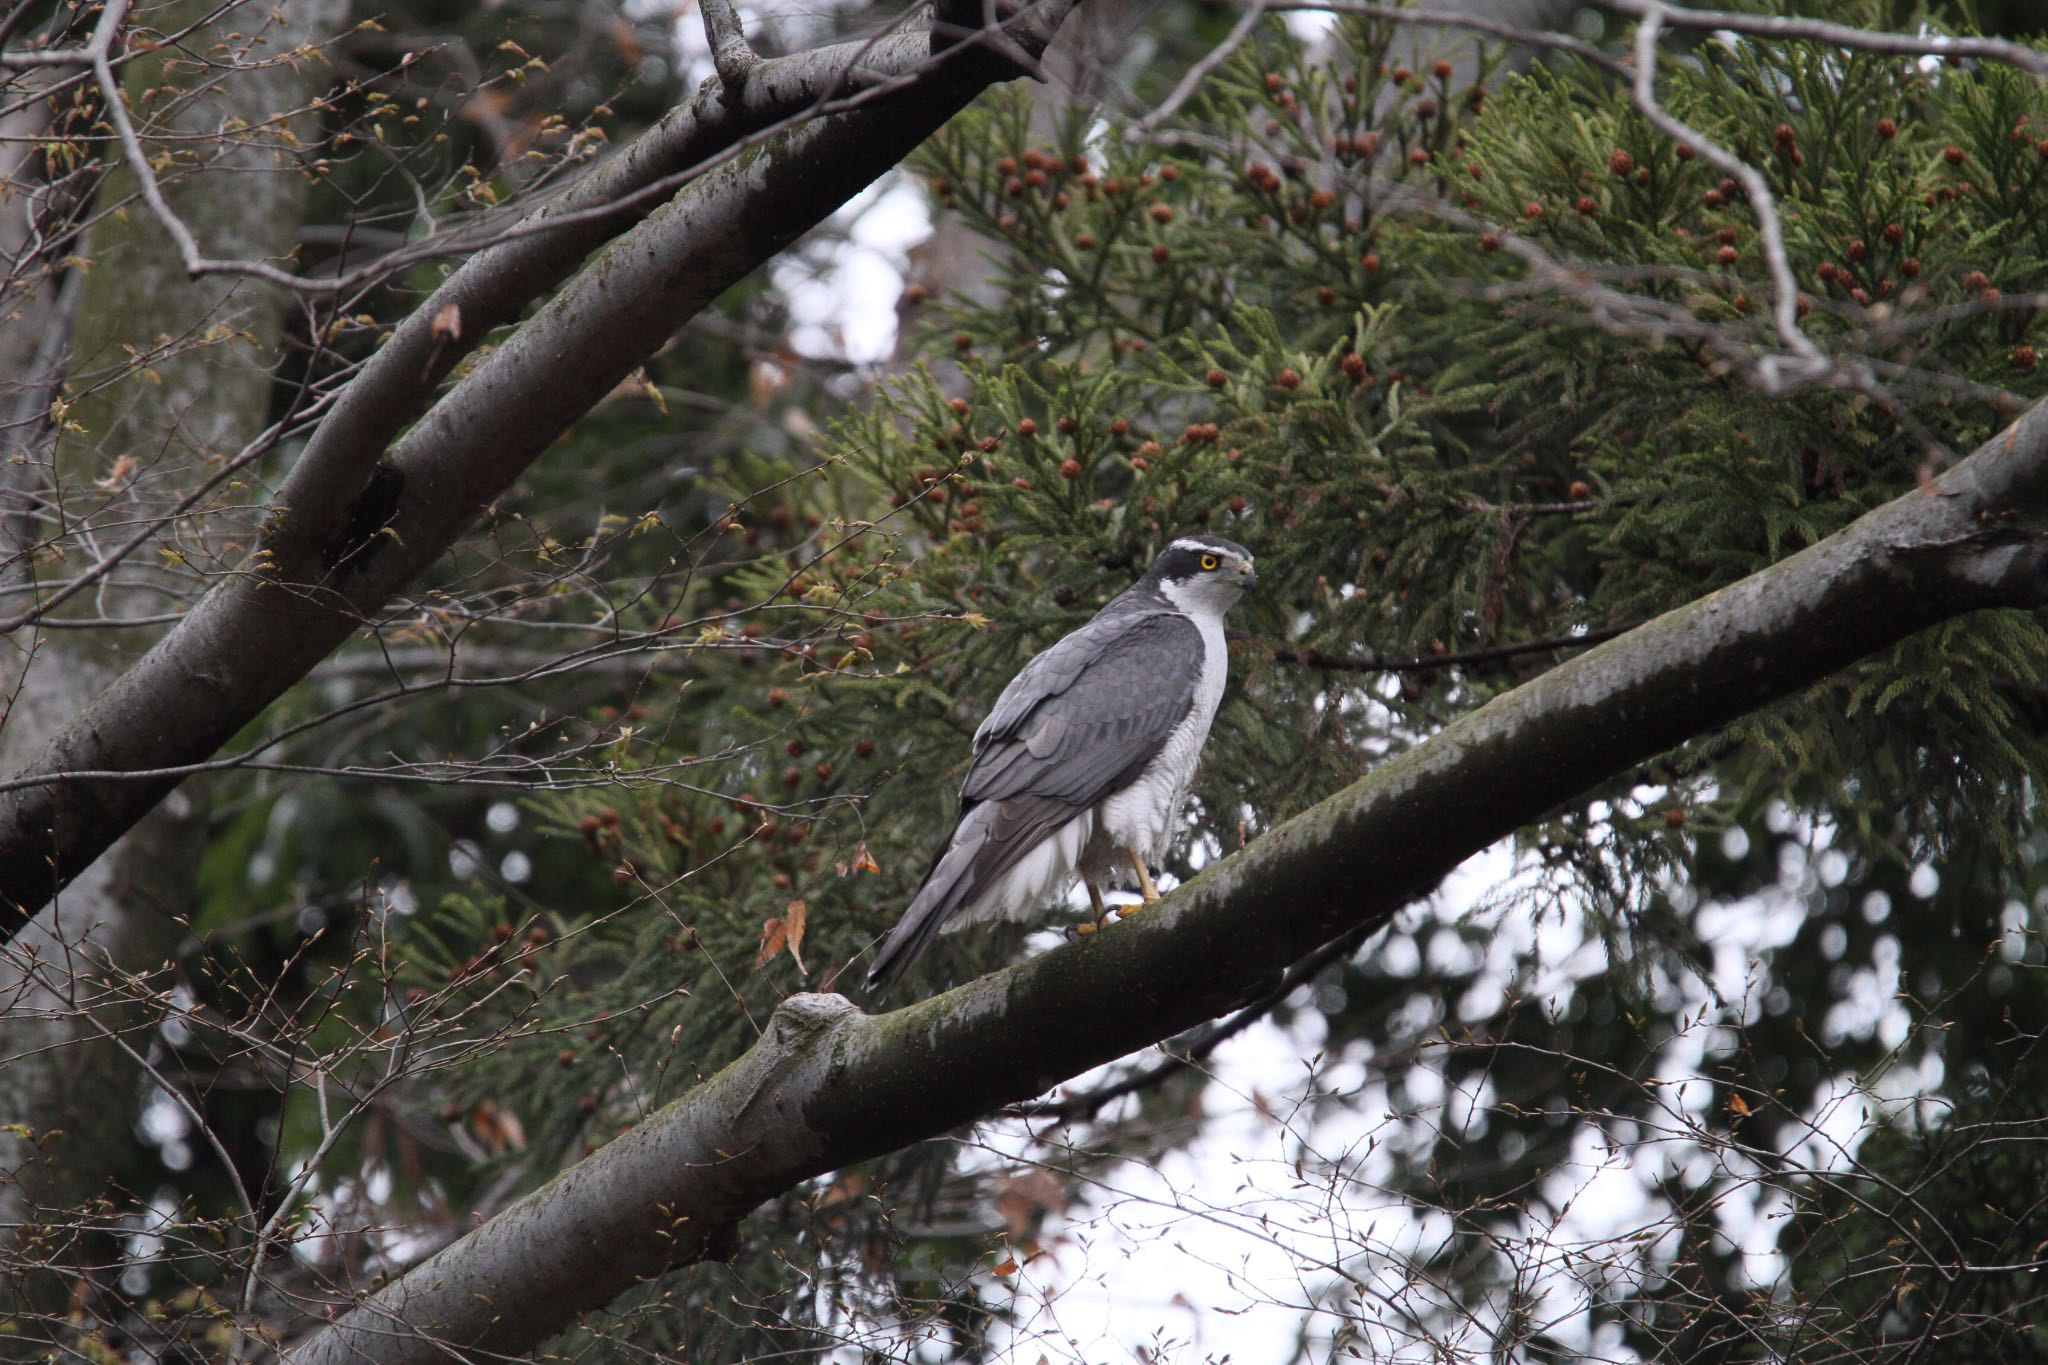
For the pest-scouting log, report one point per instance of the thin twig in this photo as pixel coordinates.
(1839, 35)
(1202, 69)
(1774, 376)
(93, 54)
(14, 17)
(1517, 34)
(862, 84)
(1315, 658)
(1088, 1103)
(730, 52)
(264, 442)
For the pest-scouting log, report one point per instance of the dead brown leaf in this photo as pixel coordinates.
(793, 929)
(774, 937)
(121, 475)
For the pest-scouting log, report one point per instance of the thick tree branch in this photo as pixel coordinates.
(260, 631)
(491, 289)
(828, 1085)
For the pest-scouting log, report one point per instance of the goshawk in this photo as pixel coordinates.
(1086, 759)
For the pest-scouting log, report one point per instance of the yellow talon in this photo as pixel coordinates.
(1146, 890)
(1095, 902)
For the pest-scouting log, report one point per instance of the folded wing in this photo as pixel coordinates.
(1080, 722)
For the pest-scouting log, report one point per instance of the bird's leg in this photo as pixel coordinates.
(1101, 911)
(1147, 892)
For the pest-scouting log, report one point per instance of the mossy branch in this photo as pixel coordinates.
(828, 1086)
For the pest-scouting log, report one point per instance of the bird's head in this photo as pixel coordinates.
(1204, 573)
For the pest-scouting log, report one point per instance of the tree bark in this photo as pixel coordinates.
(828, 1085)
(36, 227)
(260, 630)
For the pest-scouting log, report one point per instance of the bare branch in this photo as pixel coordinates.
(1422, 663)
(1838, 35)
(1775, 375)
(93, 54)
(730, 53)
(1091, 1102)
(1206, 67)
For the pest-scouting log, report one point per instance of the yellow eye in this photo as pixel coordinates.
(1208, 561)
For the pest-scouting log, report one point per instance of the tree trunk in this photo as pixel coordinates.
(83, 970)
(38, 298)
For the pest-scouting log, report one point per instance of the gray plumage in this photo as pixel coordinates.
(1087, 755)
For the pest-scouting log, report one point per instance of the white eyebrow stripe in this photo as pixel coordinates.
(1202, 545)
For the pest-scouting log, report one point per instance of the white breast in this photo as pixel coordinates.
(1144, 816)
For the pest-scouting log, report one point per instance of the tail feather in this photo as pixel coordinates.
(944, 890)
(987, 842)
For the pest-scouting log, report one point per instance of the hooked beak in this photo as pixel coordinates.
(1247, 576)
